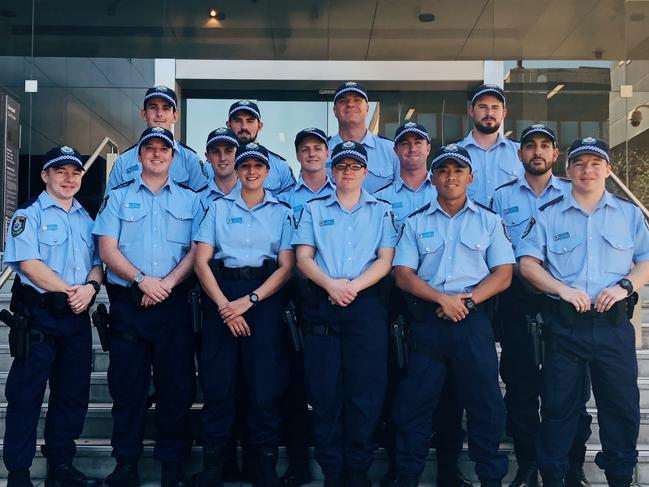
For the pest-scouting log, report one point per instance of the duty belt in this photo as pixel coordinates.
(617, 314)
(247, 273)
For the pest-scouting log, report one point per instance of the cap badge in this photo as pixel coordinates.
(161, 88)
(410, 124)
(450, 148)
(538, 126)
(350, 83)
(157, 129)
(67, 150)
(349, 144)
(252, 146)
(244, 103)
(589, 140)
(221, 130)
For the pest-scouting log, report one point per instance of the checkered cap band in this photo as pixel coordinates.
(347, 89)
(413, 130)
(485, 91)
(247, 108)
(588, 149)
(223, 137)
(72, 159)
(349, 153)
(540, 130)
(451, 155)
(315, 134)
(252, 153)
(157, 135)
(160, 94)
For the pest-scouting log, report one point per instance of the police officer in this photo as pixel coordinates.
(244, 119)
(451, 258)
(220, 150)
(494, 157)
(244, 258)
(588, 251)
(344, 246)
(51, 248)
(144, 228)
(312, 152)
(517, 203)
(351, 108)
(160, 110)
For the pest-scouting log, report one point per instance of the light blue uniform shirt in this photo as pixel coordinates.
(186, 167)
(382, 162)
(588, 252)
(212, 192)
(154, 230)
(346, 242)
(62, 240)
(300, 193)
(516, 202)
(405, 200)
(245, 237)
(453, 254)
(491, 168)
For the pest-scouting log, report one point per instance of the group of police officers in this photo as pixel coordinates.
(484, 244)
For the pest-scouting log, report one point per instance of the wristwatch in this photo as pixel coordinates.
(470, 304)
(139, 278)
(254, 299)
(626, 285)
(95, 285)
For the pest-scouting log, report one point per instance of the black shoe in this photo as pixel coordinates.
(124, 475)
(390, 479)
(65, 475)
(576, 476)
(296, 476)
(527, 475)
(212, 473)
(451, 478)
(335, 480)
(619, 481)
(231, 472)
(490, 483)
(249, 465)
(19, 478)
(357, 478)
(553, 483)
(267, 469)
(408, 482)
(172, 475)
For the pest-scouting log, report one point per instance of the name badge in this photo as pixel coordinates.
(51, 226)
(132, 205)
(513, 209)
(397, 204)
(237, 219)
(425, 235)
(326, 222)
(131, 169)
(562, 236)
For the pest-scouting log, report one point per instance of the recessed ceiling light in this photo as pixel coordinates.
(213, 12)
(426, 17)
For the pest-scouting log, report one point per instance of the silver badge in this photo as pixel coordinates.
(410, 124)
(221, 130)
(157, 129)
(244, 103)
(538, 126)
(67, 150)
(252, 146)
(589, 140)
(349, 144)
(350, 83)
(450, 148)
(161, 88)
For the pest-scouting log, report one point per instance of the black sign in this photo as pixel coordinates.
(9, 147)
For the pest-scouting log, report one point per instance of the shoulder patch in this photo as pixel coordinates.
(284, 203)
(485, 207)
(122, 185)
(187, 147)
(508, 183)
(623, 199)
(204, 169)
(420, 210)
(104, 202)
(187, 186)
(385, 138)
(550, 203)
(28, 203)
(528, 228)
(290, 186)
(18, 225)
(276, 155)
(507, 235)
(383, 187)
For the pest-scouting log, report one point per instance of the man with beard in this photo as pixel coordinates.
(494, 157)
(517, 202)
(244, 119)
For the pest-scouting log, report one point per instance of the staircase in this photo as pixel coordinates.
(93, 448)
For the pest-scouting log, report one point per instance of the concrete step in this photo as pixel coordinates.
(93, 458)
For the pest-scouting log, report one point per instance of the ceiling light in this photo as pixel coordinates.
(426, 17)
(555, 90)
(213, 12)
(409, 113)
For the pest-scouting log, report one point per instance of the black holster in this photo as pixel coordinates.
(194, 298)
(293, 327)
(101, 321)
(399, 338)
(535, 333)
(18, 324)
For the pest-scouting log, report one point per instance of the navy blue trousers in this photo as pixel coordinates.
(66, 367)
(467, 349)
(346, 377)
(607, 352)
(165, 343)
(262, 357)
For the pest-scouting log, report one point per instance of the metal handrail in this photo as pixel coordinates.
(627, 192)
(6, 274)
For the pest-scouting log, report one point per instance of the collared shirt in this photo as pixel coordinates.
(186, 167)
(491, 168)
(212, 192)
(153, 230)
(346, 242)
(588, 252)
(61, 239)
(453, 253)
(245, 237)
(516, 202)
(382, 162)
(405, 200)
(300, 193)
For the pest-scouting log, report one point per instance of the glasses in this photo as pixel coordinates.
(354, 166)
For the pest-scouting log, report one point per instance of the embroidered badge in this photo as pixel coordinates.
(528, 229)
(18, 226)
(104, 203)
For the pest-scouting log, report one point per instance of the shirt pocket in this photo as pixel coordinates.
(132, 225)
(618, 253)
(473, 250)
(566, 256)
(51, 244)
(429, 245)
(179, 225)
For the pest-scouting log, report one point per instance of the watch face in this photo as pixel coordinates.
(139, 278)
(254, 298)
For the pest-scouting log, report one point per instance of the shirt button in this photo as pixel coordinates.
(155, 212)
(155, 263)
(427, 249)
(349, 258)
(78, 268)
(564, 249)
(477, 246)
(154, 229)
(155, 245)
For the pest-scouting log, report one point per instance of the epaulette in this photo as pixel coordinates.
(329, 138)
(457, 141)
(318, 198)
(623, 199)
(188, 148)
(565, 179)
(284, 203)
(218, 197)
(420, 210)
(290, 186)
(132, 147)
(485, 207)
(508, 183)
(383, 187)
(187, 186)
(550, 203)
(514, 140)
(276, 155)
(122, 185)
(385, 138)
(28, 203)
(384, 201)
